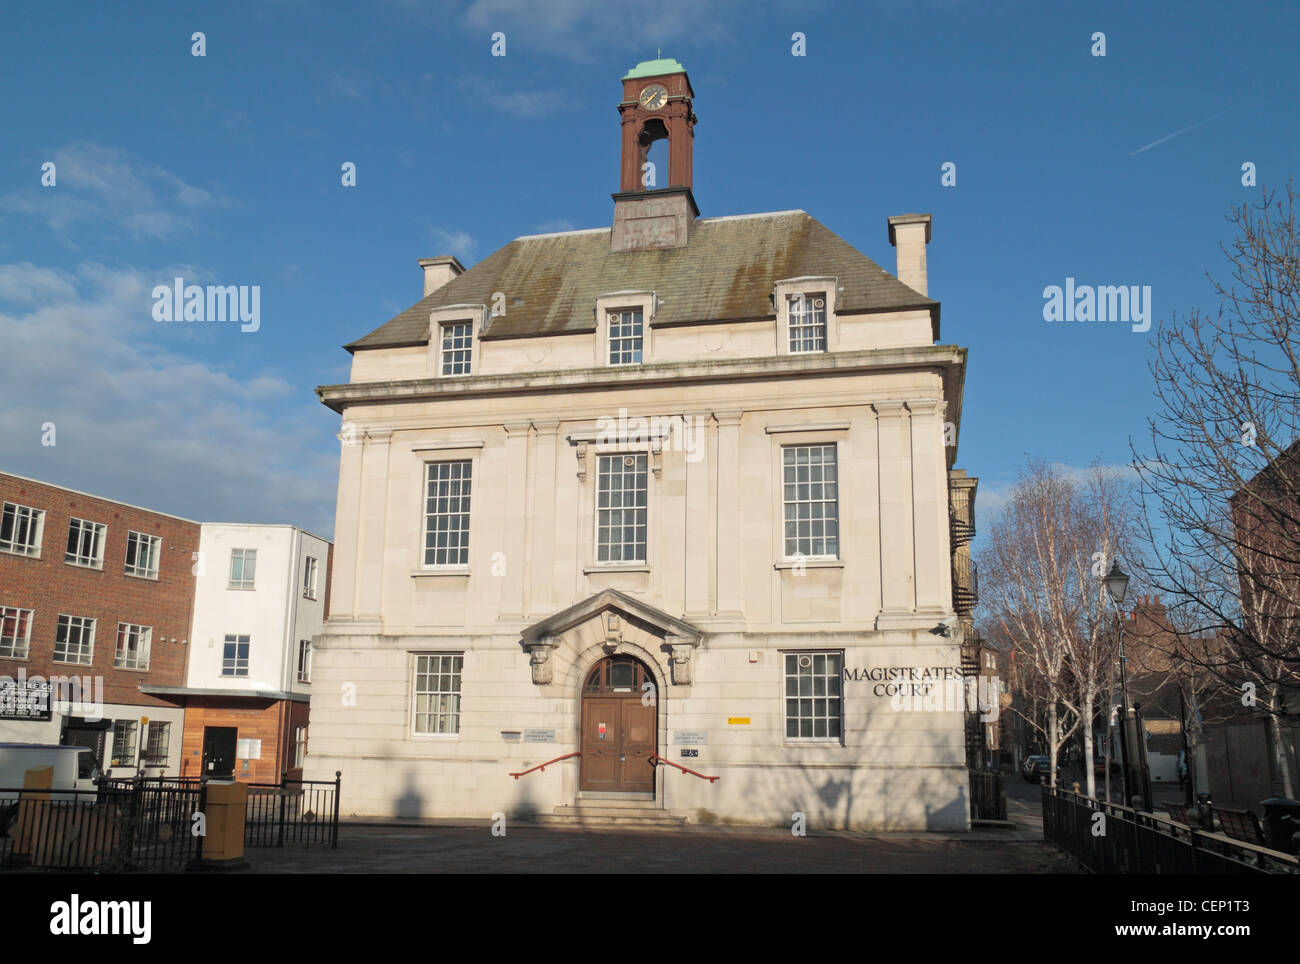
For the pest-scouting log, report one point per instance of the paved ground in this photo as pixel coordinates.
(528, 849)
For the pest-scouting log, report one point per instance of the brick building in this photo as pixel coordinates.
(100, 592)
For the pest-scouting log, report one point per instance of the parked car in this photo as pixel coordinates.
(1035, 768)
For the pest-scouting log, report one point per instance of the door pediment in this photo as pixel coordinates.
(679, 636)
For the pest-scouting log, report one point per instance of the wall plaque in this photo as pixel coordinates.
(539, 736)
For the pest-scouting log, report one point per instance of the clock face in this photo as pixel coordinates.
(654, 97)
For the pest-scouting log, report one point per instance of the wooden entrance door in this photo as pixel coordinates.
(619, 731)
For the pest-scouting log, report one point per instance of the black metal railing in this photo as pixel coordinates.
(1111, 839)
(304, 812)
(121, 825)
(960, 518)
(988, 797)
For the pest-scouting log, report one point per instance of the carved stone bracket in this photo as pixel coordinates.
(682, 662)
(582, 461)
(543, 666)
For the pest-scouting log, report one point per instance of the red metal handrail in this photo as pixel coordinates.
(543, 766)
(656, 757)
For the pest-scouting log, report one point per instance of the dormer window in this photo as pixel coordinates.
(457, 347)
(807, 326)
(805, 315)
(624, 332)
(626, 336)
(454, 335)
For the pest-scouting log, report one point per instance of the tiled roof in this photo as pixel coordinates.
(726, 272)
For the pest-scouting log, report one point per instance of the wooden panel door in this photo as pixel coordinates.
(601, 723)
(639, 741)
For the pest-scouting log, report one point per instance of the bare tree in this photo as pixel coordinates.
(1042, 566)
(1221, 478)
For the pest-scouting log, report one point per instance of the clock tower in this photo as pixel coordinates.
(654, 208)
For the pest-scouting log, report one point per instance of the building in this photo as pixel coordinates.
(674, 491)
(96, 598)
(259, 601)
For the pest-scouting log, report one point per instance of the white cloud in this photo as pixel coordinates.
(460, 243)
(141, 418)
(105, 188)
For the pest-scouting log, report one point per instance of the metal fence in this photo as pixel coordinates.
(304, 812)
(120, 826)
(1110, 839)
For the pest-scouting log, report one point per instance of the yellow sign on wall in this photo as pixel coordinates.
(738, 721)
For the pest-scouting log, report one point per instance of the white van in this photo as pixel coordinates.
(74, 766)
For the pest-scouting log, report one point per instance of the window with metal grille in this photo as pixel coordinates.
(15, 632)
(446, 513)
(124, 745)
(133, 646)
(159, 743)
(74, 640)
(234, 656)
(437, 693)
(807, 322)
(626, 337)
(814, 708)
(86, 543)
(21, 529)
(811, 495)
(142, 555)
(457, 347)
(621, 506)
(243, 568)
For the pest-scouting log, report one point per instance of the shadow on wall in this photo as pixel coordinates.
(867, 800)
(410, 805)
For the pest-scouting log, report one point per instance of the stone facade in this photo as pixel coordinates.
(718, 608)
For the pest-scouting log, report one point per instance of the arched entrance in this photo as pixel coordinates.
(619, 731)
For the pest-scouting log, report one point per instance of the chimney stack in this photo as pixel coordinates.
(910, 233)
(438, 271)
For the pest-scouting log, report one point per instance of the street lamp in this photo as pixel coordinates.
(1117, 587)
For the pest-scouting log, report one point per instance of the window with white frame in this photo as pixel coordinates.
(234, 656)
(446, 513)
(158, 747)
(621, 507)
(437, 693)
(142, 555)
(243, 568)
(133, 646)
(814, 706)
(86, 543)
(811, 496)
(21, 529)
(124, 743)
(74, 640)
(299, 746)
(309, 578)
(626, 336)
(807, 322)
(304, 661)
(15, 632)
(457, 347)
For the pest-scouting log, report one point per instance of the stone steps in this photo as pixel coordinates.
(610, 813)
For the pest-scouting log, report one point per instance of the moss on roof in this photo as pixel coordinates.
(726, 272)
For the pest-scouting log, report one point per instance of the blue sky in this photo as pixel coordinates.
(225, 169)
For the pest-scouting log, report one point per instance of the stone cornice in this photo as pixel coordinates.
(950, 357)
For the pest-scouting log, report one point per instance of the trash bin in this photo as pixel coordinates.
(1282, 824)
